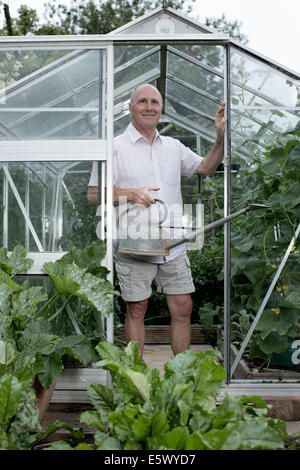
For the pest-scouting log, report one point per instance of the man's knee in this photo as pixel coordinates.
(180, 306)
(136, 310)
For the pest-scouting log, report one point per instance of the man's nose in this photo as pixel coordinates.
(149, 104)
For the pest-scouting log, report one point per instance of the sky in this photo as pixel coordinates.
(272, 26)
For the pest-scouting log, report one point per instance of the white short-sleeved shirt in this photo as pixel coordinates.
(137, 163)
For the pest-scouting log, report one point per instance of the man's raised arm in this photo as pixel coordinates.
(210, 163)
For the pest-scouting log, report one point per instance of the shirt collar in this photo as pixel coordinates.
(135, 135)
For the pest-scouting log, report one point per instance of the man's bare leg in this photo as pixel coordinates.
(134, 322)
(180, 307)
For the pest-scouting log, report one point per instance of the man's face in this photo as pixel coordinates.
(146, 108)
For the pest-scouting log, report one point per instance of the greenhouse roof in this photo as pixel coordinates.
(183, 58)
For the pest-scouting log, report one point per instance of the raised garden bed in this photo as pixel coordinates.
(275, 374)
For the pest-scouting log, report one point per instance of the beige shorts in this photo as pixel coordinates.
(136, 277)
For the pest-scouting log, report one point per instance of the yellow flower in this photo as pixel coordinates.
(293, 248)
(276, 310)
(285, 288)
(278, 289)
(273, 266)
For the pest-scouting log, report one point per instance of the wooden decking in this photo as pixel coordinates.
(156, 355)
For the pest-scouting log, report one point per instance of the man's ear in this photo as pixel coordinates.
(130, 109)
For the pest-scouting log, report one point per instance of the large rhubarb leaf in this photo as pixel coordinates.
(77, 346)
(17, 262)
(26, 301)
(72, 280)
(53, 366)
(37, 338)
(6, 279)
(89, 258)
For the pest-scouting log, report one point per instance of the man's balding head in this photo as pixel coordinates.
(140, 88)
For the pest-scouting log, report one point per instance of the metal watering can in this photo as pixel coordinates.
(154, 240)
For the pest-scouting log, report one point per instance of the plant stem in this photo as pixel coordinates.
(60, 309)
(264, 242)
(46, 305)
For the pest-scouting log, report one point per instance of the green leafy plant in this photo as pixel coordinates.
(18, 409)
(29, 348)
(27, 314)
(178, 412)
(260, 244)
(20, 427)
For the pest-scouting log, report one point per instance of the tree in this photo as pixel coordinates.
(82, 17)
(98, 17)
(102, 16)
(233, 28)
(27, 22)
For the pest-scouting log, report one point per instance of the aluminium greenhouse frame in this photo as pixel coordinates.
(108, 41)
(70, 151)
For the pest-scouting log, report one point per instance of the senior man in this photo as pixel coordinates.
(148, 165)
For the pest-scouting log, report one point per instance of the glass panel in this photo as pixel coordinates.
(199, 77)
(212, 56)
(124, 54)
(52, 197)
(192, 97)
(51, 94)
(191, 115)
(135, 70)
(121, 107)
(18, 65)
(265, 121)
(121, 124)
(134, 65)
(250, 73)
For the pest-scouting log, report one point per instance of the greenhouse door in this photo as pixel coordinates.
(193, 77)
(56, 119)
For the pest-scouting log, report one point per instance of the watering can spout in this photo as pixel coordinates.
(160, 246)
(215, 224)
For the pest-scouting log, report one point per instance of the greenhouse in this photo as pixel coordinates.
(62, 101)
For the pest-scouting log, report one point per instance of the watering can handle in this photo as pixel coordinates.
(166, 210)
(165, 214)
